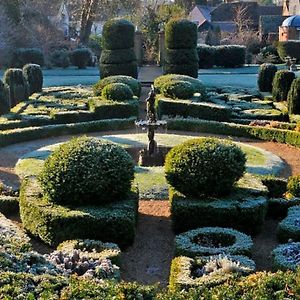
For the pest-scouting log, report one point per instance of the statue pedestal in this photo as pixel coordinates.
(152, 160)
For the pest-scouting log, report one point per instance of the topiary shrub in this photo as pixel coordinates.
(276, 186)
(289, 48)
(178, 90)
(134, 84)
(60, 59)
(265, 77)
(181, 54)
(87, 170)
(293, 185)
(117, 92)
(4, 99)
(161, 81)
(289, 228)
(207, 241)
(204, 166)
(23, 56)
(118, 56)
(281, 84)
(34, 76)
(18, 86)
(230, 56)
(206, 56)
(286, 257)
(81, 57)
(294, 97)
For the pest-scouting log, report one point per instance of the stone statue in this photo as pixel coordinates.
(152, 120)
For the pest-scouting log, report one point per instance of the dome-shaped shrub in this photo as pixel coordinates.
(117, 92)
(265, 77)
(87, 171)
(34, 76)
(178, 90)
(204, 167)
(281, 84)
(293, 185)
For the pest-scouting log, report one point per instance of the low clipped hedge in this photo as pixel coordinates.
(289, 228)
(241, 210)
(207, 241)
(127, 69)
(278, 207)
(9, 204)
(114, 222)
(192, 109)
(134, 84)
(230, 56)
(206, 56)
(178, 90)
(117, 92)
(286, 257)
(182, 268)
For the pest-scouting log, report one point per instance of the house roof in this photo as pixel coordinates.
(270, 10)
(206, 11)
(225, 26)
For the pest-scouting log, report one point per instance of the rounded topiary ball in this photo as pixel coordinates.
(87, 171)
(204, 167)
(178, 90)
(293, 185)
(117, 92)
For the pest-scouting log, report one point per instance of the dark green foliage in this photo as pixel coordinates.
(34, 76)
(87, 170)
(289, 48)
(281, 84)
(4, 98)
(204, 166)
(134, 84)
(118, 34)
(207, 241)
(117, 92)
(81, 57)
(278, 207)
(184, 69)
(181, 56)
(60, 58)
(230, 56)
(18, 86)
(294, 97)
(9, 204)
(127, 69)
(284, 257)
(276, 186)
(293, 185)
(118, 56)
(244, 212)
(25, 56)
(206, 56)
(192, 109)
(178, 90)
(113, 222)
(181, 34)
(265, 77)
(288, 228)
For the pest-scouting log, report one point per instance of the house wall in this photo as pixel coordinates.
(288, 33)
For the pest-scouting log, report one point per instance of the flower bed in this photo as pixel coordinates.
(212, 241)
(286, 256)
(189, 272)
(289, 228)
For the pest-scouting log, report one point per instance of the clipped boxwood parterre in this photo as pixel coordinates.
(114, 222)
(278, 207)
(219, 269)
(206, 241)
(286, 256)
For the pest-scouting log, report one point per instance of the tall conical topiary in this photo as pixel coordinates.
(294, 97)
(34, 76)
(18, 86)
(118, 56)
(281, 84)
(181, 48)
(4, 98)
(265, 77)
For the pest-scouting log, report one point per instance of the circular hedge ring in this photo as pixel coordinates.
(212, 241)
(286, 256)
(87, 171)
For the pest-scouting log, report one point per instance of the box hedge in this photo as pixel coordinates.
(206, 56)
(286, 257)
(294, 97)
(23, 56)
(289, 48)
(181, 56)
(118, 56)
(266, 75)
(230, 56)
(278, 207)
(281, 84)
(9, 204)
(114, 222)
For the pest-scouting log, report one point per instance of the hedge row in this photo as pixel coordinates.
(278, 207)
(9, 137)
(114, 222)
(187, 108)
(289, 48)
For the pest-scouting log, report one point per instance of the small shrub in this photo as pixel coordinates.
(87, 170)
(293, 185)
(204, 166)
(294, 97)
(178, 90)
(289, 48)
(60, 59)
(134, 84)
(4, 99)
(281, 84)
(230, 56)
(117, 92)
(286, 257)
(18, 86)
(206, 56)
(265, 77)
(81, 57)
(23, 56)
(34, 76)
(289, 227)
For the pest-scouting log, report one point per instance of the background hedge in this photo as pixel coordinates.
(230, 56)
(289, 48)
(206, 56)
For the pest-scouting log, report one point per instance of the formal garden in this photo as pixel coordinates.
(191, 192)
